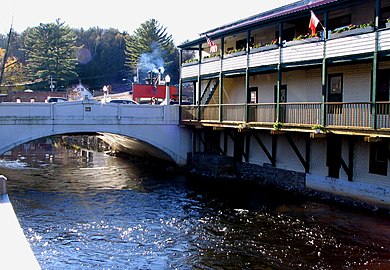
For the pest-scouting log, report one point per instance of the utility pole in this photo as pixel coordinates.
(51, 83)
(6, 53)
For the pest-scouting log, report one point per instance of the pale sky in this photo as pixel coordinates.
(184, 20)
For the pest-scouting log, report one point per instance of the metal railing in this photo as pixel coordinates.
(300, 113)
(233, 112)
(382, 115)
(336, 114)
(349, 114)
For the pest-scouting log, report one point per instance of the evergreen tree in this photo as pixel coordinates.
(51, 50)
(151, 48)
(101, 57)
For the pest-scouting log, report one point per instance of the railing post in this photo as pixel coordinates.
(375, 66)
(221, 82)
(248, 38)
(199, 88)
(279, 82)
(324, 74)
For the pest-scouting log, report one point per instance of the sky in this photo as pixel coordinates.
(184, 20)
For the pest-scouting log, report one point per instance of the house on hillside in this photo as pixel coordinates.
(301, 91)
(79, 92)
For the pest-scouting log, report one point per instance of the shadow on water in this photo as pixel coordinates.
(109, 213)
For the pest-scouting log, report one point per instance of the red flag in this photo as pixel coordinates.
(213, 46)
(313, 23)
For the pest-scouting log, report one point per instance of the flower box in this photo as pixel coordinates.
(301, 41)
(211, 59)
(264, 48)
(353, 32)
(228, 55)
(186, 64)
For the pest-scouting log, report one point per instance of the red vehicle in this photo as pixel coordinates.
(143, 93)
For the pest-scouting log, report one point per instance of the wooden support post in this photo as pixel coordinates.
(247, 146)
(274, 148)
(264, 148)
(304, 162)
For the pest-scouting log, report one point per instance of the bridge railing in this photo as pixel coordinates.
(87, 110)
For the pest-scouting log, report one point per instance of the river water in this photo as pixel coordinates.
(95, 211)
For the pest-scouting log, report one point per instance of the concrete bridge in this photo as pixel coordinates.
(145, 130)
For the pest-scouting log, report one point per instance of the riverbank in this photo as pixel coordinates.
(217, 168)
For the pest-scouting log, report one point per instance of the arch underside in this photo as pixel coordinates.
(118, 143)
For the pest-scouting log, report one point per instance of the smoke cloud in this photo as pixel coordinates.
(152, 61)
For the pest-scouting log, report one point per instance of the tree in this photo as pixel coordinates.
(14, 72)
(101, 57)
(151, 48)
(51, 50)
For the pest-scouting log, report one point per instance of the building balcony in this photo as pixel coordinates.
(356, 42)
(355, 117)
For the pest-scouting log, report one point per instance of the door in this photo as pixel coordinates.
(335, 93)
(252, 99)
(382, 91)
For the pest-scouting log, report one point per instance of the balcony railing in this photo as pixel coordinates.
(361, 42)
(356, 115)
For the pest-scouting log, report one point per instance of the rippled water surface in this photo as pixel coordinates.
(109, 213)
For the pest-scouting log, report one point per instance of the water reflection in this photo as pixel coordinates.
(101, 212)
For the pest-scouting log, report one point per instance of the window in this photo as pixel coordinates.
(253, 95)
(379, 156)
(337, 22)
(241, 44)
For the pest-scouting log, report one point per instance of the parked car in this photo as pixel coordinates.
(56, 99)
(123, 101)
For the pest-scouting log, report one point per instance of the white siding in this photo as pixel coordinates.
(189, 71)
(384, 40)
(303, 52)
(264, 58)
(350, 45)
(210, 67)
(356, 81)
(234, 62)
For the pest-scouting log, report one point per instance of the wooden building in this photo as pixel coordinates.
(277, 95)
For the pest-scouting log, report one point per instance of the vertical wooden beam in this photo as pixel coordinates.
(198, 88)
(274, 148)
(248, 38)
(221, 81)
(279, 82)
(225, 142)
(351, 154)
(375, 65)
(180, 81)
(247, 146)
(324, 74)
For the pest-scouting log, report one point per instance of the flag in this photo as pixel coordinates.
(313, 23)
(213, 46)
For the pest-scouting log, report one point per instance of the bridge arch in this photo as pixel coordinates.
(147, 130)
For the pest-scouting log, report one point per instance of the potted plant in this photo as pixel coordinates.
(304, 38)
(235, 52)
(351, 29)
(273, 44)
(191, 61)
(277, 125)
(211, 57)
(319, 128)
